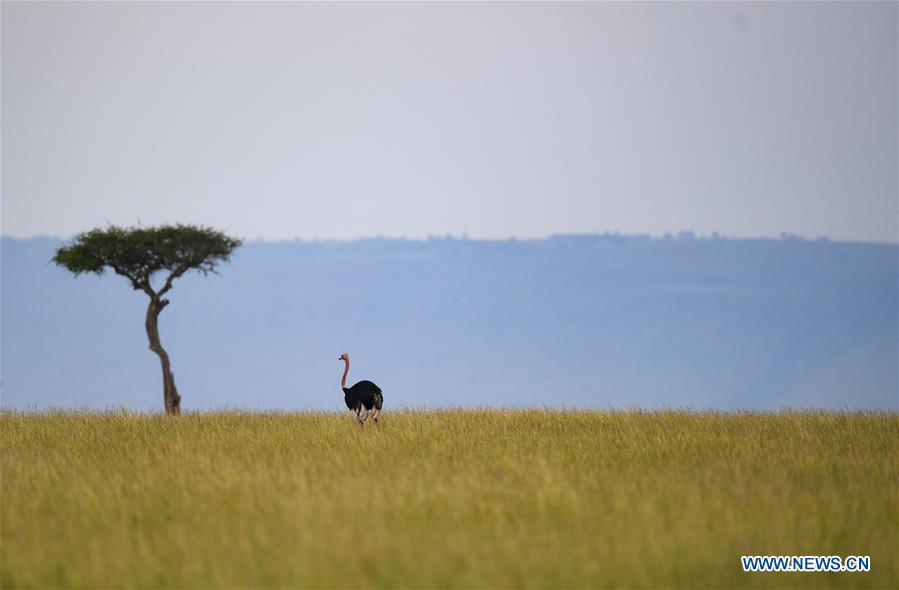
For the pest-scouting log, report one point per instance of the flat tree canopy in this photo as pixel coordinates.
(139, 253)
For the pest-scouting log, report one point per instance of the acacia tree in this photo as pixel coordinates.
(139, 253)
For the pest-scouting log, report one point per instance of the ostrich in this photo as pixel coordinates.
(364, 398)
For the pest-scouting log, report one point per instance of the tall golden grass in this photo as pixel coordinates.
(477, 498)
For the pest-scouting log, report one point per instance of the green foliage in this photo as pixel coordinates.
(138, 253)
(444, 499)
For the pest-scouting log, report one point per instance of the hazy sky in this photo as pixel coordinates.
(282, 120)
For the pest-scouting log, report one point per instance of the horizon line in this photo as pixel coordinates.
(679, 235)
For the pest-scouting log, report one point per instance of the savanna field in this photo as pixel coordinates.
(477, 498)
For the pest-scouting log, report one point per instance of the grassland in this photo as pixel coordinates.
(445, 499)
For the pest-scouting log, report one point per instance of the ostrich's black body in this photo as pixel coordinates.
(365, 394)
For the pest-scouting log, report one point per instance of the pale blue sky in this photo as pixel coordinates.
(283, 120)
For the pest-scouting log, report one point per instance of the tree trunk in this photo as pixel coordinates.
(170, 392)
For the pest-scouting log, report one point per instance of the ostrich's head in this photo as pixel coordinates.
(344, 357)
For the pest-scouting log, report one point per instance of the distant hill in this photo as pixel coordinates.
(599, 321)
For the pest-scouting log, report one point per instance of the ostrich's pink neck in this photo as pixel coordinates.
(346, 370)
